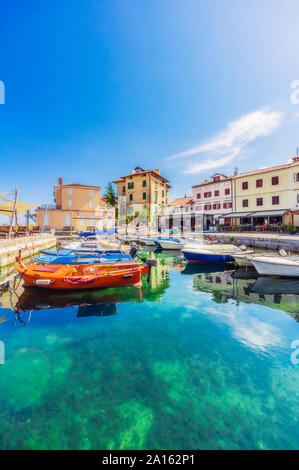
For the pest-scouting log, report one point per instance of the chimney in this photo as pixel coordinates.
(157, 171)
(236, 172)
(60, 181)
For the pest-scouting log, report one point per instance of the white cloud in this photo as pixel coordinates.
(225, 146)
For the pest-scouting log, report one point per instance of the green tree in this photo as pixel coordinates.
(110, 195)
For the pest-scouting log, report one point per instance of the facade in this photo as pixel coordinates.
(181, 205)
(178, 215)
(268, 196)
(213, 198)
(77, 206)
(144, 191)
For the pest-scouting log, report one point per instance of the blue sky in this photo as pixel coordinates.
(95, 87)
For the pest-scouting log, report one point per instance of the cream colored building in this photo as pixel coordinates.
(142, 191)
(267, 196)
(77, 206)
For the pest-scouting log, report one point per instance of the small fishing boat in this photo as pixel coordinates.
(168, 243)
(285, 266)
(210, 253)
(68, 252)
(83, 259)
(82, 276)
(147, 241)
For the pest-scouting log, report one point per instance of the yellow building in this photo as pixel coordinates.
(142, 190)
(267, 196)
(76, 206)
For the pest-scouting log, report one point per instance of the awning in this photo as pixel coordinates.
(234, 215)
(7, 207)
(269, 213)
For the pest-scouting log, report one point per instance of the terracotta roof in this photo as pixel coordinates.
(143, 172)
(181, 201)
(265, 170)
(227, 178)
(78, 185)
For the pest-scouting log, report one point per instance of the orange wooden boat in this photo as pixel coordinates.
(95, 276)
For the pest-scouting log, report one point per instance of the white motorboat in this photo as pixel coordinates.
(204, 253)
(287, 266)
(168, 243)
(147, 241)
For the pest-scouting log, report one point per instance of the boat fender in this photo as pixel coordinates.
(243, 247)
(43, 282)
(282, 252)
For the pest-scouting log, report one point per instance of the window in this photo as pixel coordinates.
(297, 198)
(162, 192)
(69, 203)
(227, 191)
(156, 197)
(216, 193)
(82, 220)
(208, 194)
(130, 185)
(144, 196)
(245, 185)
(131, 197)
(216, 178)
(144, 183)
(91, 193)
(296, 177)
(227, 205)
(275, 200)
(245, 203)
(259, 183)
(198, 196)
(207, 207)
(91, 204)
(69, 191)
(259, 201)
(124, 190)
(216, 206)
(275, 180)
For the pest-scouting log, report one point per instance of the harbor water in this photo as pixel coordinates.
(201, 357)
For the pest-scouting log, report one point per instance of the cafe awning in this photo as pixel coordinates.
(234, 215)
(275, 213)
(7, 207)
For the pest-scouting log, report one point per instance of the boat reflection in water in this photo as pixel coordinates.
(244, 285)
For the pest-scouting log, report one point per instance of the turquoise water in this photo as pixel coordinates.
(197, 359)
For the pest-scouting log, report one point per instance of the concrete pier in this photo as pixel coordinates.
(267, 241)
(29, 245)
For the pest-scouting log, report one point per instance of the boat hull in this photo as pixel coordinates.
(242, 261)
(266, 268)
(168, 244)
(68, 252)
(193, 257)
(83, 259)
(147, 241)
(82, 277)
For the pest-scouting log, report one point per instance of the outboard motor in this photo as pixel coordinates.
(133, 251)
(150, 263)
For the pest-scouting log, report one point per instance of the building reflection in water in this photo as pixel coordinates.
(246, 286)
